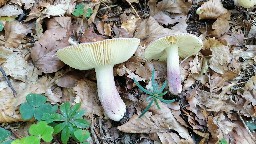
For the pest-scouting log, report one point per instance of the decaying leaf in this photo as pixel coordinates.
(220, 59)
(56, 37)
(250, 91)
(19, 69)
(221, 25)
(4, 53)
(86, 93)
(14, 33)
(10, 10)
(10, 104)
(150, 30)
(211, 9)
(162, 120)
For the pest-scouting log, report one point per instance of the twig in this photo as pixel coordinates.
(8, 81)
(136, 13)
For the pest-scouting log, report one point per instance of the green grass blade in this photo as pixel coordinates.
(141, 88)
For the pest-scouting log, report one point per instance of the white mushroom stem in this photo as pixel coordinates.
(109, 97)
(173, 70)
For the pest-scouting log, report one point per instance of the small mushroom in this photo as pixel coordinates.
(102, 56)
(245, 3)
(170, 48)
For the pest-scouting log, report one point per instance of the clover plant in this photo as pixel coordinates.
(36, 106)
(154, 94)
(5, 136)
(38, 131)
(67, 122)
(79, 11)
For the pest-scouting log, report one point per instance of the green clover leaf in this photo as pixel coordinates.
(81, 135)
(5, 136)
(35, 106)
(42, 130)
(27, 140)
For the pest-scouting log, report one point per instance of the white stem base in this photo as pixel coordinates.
(173, 70)
(109, 97)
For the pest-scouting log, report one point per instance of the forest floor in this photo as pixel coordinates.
(218, 99)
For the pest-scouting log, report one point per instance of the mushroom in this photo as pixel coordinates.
(245, 3)
(170, 48)
(102, 56)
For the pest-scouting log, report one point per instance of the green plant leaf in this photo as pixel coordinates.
(36, 100)
(79, 10)
(49, 118)
(251, 125)
(223, 141)
(81, 123)
(27, 140)
(4, 134)
(88, 13)
(154, 94)
(1, 26)
(36, 106)
(59, 127)
(26, 111)
(65, 109)
(42, 130)
(81, 135)
(65, 135)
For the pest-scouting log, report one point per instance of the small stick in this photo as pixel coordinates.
(8, 81)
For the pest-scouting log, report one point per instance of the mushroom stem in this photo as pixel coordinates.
(173, 70)
(109, 97)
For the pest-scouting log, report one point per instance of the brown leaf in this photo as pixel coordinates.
(10, 10)
(86, 93)
(149, 30)
(171, 6)
(220, 59)
(221, 25)
(14, 33)
(43, 53)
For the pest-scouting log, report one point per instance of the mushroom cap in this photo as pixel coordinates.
(95, 54)
(188, 44)
(246, 3)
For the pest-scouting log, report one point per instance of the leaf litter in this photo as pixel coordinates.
(218, 97)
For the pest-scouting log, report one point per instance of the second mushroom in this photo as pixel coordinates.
(102, 56)
(171, 48)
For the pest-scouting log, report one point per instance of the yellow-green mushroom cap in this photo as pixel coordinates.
(188, 44)
(96, 54)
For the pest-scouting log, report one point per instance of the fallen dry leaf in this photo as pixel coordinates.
(86, 94)
(149, 30)
(19, 69)
(220, 59)
(10, 10)
(15, 32)
(221, 25)
(43, 53)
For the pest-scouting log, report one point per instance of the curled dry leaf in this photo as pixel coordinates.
(2, 2)
(86, 93)
(171, 6)
(211, 9)
(221, 25)
(43, 53)
(250, 91)
(19, 69)
(10, 10)
(129, 22)
(149, 30)
(14, 33)
(4, 53)
(162, 121)
(220, 59)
